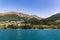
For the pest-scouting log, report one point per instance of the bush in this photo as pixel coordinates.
(26, 27)
(12, 26)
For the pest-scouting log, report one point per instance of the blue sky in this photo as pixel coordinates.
(42, 8)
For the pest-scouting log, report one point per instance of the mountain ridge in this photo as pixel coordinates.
(52, 18)
(20, 14)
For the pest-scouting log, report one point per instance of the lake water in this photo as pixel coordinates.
(29, 34)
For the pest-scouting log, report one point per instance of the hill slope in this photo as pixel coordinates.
(54, 17)
(51, 18)
(10, 17)
(2, 15)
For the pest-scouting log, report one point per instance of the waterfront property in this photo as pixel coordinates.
(14, 23)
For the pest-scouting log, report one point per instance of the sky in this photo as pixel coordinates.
(41, 8)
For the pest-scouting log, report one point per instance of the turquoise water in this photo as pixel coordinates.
(29, 34)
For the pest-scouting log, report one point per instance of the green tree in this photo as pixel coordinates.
(50, 23)
(57, 22)
(12, 27)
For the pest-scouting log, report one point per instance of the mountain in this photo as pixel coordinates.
(34, 16)
(52, 18)
(11, 17)
(17, 16)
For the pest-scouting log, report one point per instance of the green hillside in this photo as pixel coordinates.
(14, 17)
(52, 18)
(34, 21)
(10, 17)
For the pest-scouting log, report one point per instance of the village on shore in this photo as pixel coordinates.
(22, 25)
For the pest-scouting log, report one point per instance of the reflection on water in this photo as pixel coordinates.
(29, 34)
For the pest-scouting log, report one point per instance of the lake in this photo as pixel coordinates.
(29, 34)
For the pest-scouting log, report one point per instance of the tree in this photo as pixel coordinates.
(12, 26)
(34, 21)
(50, 23)
(26, 26)
(57, 22)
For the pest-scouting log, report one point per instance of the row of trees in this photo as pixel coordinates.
(55, 23)
(32, 27)
(23, 27)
